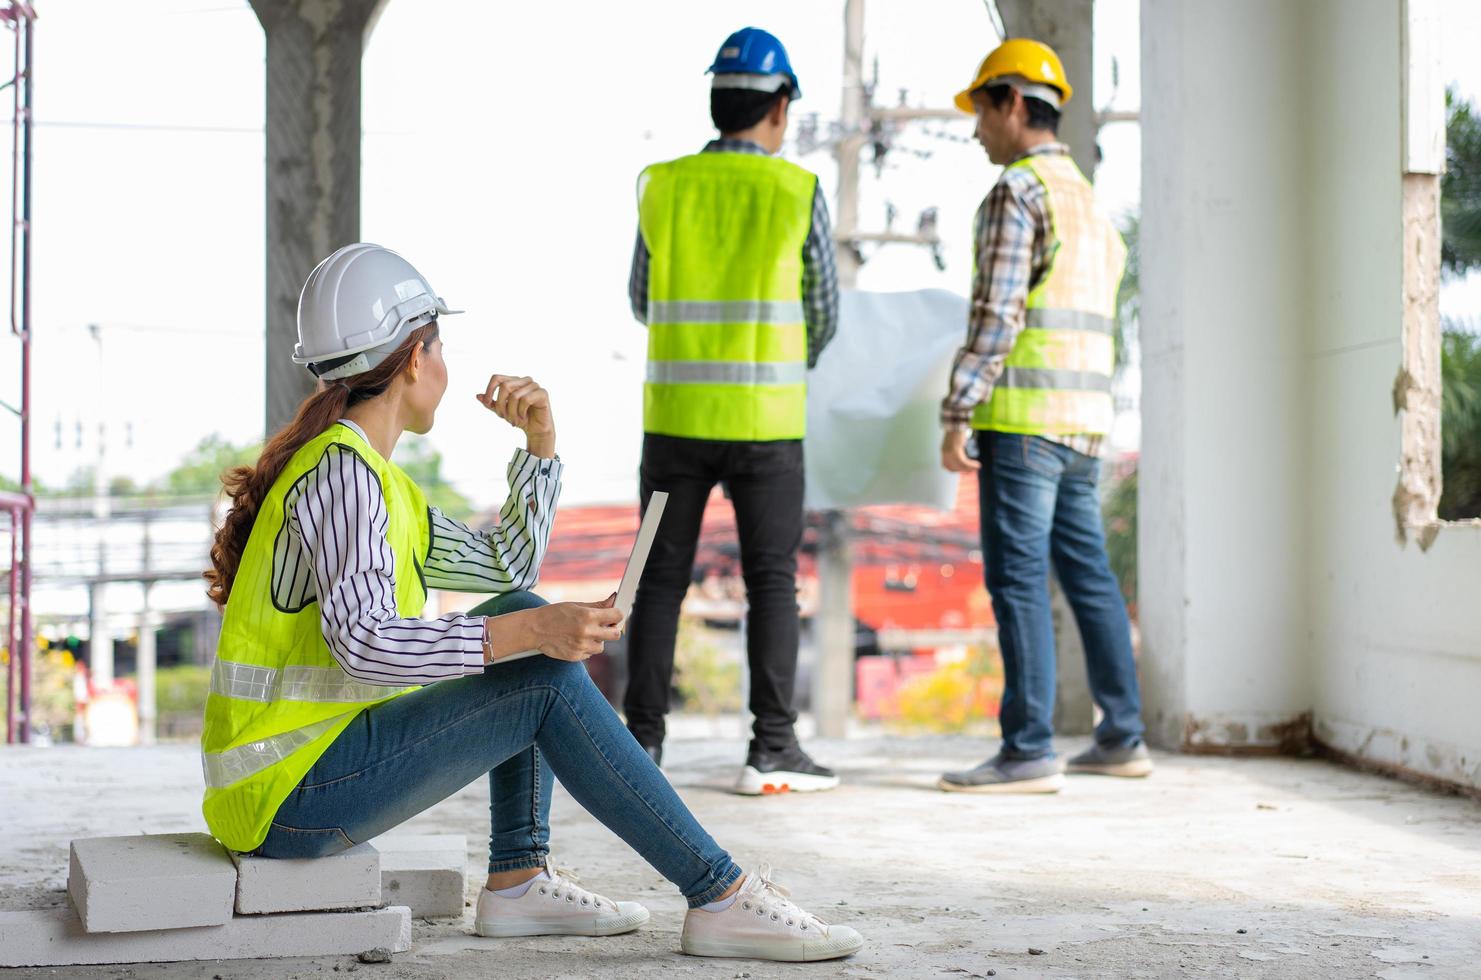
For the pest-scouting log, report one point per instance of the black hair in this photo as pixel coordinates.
(736, 109)
(1041, 115)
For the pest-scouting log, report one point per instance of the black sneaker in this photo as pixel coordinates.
(788, 770)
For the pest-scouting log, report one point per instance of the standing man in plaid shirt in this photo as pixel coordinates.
(1034, 382)
(733, 273)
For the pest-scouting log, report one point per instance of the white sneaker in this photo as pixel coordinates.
(763, 924)
(554, 905)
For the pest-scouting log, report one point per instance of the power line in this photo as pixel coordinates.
(160, 328)
(151, 127)
(181, 128)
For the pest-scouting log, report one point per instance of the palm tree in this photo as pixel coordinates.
(1460, 187)
(1460, 351)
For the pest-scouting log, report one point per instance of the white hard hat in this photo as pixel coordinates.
(357, 307)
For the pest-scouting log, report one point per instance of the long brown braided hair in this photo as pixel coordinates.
(247, 486)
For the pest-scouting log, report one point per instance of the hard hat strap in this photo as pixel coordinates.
(340, 367)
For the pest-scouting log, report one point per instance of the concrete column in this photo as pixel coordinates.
(148, 715)
(99, 640)
(833, 685)
(1074, 711)
(1067, 27)
(1226, 318)
(313, 163)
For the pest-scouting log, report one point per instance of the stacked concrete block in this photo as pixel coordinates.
(348, 880)
(158, 898)
(425, 873)
(55, 937)
(159, 881)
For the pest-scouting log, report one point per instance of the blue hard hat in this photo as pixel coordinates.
(752, 51)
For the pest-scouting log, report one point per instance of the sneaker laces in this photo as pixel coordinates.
(763, 896)
(564, 883)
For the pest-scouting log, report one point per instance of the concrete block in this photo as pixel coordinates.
(424, 873)
(55, 937)
(150, 881)
(348, 880)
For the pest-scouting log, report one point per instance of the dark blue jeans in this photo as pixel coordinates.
(1039, 505)
(523, 724)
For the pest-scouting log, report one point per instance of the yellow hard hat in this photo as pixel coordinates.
(1032, 61)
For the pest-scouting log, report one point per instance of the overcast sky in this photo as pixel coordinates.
(501, 146)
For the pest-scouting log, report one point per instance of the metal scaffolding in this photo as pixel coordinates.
(19, 18)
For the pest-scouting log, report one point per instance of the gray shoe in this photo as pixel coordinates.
(1133, 761)
(1000, 775)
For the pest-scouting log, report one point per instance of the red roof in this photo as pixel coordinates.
(592, 542)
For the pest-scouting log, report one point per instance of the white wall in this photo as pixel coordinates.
(1396, 631)
(1273, 581)
(1223, 573)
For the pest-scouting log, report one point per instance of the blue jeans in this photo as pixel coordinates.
(1039, 504)
(522, 724)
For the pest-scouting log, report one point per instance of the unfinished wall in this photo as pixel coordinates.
(1276, 585)
(1396, 627)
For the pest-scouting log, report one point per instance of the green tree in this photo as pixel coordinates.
(1460, 351)
(1129, 298)
(1460, 187)
(1119, 512)
(1460, 423)
(423, 464)
(200, 471)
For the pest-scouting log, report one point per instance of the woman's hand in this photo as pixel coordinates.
(525, 405)
(576, 630)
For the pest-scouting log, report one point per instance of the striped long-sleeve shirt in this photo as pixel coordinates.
(1013, 240)
(819, 265)
(333, 549)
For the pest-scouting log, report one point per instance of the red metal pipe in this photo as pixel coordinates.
(11, 634)
(15, 177)
(27, 625)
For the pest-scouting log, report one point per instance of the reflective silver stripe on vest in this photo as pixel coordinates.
(222, 769)
(1054, 379)
(330, 685)
(245, 682)
(1045, 319)
(724, 311)
(725, 373)
(325, 685)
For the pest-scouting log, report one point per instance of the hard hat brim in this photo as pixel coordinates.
(391, 340)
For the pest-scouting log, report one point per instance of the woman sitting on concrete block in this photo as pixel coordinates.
(337, 712)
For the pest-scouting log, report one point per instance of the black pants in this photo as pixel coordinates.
(764, 482)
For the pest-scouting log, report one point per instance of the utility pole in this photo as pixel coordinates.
(860, 122)
(834, 686)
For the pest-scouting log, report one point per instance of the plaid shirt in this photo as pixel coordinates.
(819, 268)
(1012, 238)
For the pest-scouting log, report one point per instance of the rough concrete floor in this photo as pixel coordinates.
(1213, 867)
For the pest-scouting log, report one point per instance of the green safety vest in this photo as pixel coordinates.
(278, 698)
(1057, 378)
(727, 343)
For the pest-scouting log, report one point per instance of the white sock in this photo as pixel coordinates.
(721, 904)
(516, 891)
